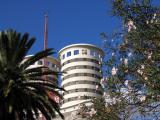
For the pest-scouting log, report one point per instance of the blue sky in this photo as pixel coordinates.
(70, 21)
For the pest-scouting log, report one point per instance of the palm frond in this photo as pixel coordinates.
(36, 57)
(23, 90)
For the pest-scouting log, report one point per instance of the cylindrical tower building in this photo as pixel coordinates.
(81, 67)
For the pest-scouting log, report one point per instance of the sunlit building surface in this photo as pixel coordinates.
(81, 67)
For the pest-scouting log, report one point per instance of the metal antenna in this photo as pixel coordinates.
(46, 32)
(45, 46)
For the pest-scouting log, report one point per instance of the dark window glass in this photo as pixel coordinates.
(63, 56)
(76, 52)
(76, 90)
(53, 65)
(68, 54)
(40, 62)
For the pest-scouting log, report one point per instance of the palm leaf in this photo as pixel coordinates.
(23, 90)
(35, 58)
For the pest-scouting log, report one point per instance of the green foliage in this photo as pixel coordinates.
(140, 36)
(137, 10)
(104, 112)
(143, 40)
(23, 90)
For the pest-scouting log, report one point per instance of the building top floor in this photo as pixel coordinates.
(81, 49)
(49, 61)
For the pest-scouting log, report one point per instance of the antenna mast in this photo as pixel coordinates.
(45, 44)
(46, 32)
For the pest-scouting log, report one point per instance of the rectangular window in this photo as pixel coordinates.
(92, 53)
(68, 54)
(85, 66)
(76, 90)
(63, 56)
(76, 52)
(40, 62)
(84, 52)
(85, 90)
(53, 65)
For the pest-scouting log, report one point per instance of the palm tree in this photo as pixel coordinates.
(23, 90)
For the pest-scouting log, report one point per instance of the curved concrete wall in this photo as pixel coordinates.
(80, 62)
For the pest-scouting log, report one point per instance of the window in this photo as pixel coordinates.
(76, 90)
(63, 56)
(68, 54)
(69, 99)
(85, 66)
(53, 65)
(92, 52)
(84, 52)
(76, 52)
(85, 90)
(40, 62)
(96, 54)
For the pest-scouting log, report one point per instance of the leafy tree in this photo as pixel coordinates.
(23, 90)
(136, 78)
(133, 63)
(103, 112)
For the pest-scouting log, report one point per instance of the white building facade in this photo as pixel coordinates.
(81, 67)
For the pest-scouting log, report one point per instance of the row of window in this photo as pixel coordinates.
(77, 98)
(81, 74)
(82, 67)
(83, 52)
(81, 59)
(81, 82)
(83, 90)
(47, 63)
(75, 52)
